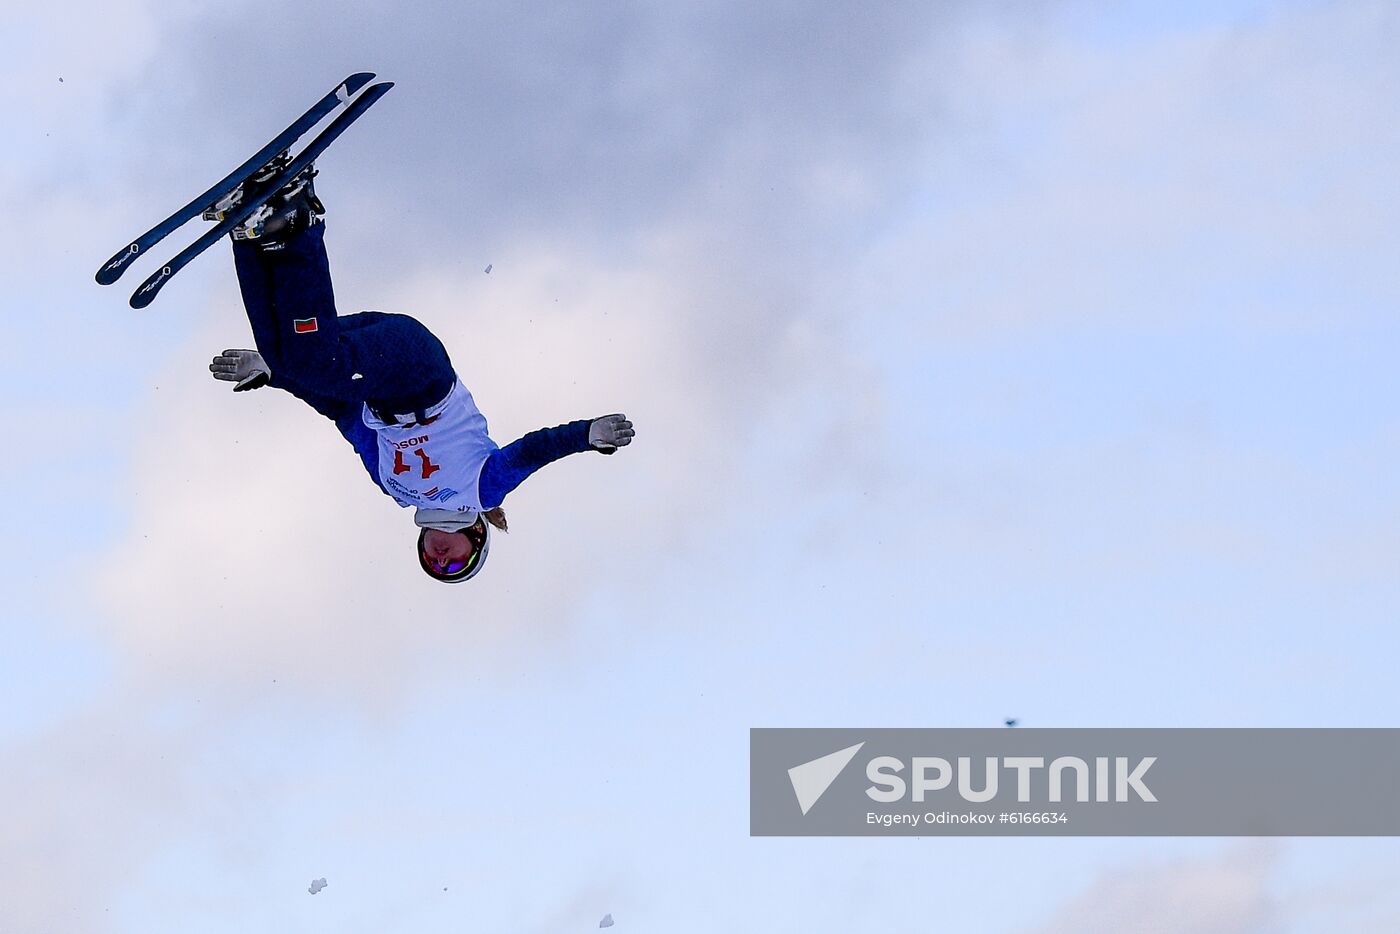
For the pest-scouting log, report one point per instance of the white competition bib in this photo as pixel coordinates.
(438, 465)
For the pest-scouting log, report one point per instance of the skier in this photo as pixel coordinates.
(386, 382)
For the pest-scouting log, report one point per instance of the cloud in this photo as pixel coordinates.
(725, 149)
(1225, 893)
(548, 117)
(660, 194)
(274, 550)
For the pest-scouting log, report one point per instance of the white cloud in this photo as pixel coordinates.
(269, 541)
(1226, 893)
(1261, 886)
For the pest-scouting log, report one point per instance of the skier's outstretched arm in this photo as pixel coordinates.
(508, 467)
(247, 369)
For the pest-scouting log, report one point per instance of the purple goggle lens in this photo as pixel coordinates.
(451, 567)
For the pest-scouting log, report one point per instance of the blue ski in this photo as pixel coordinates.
(114, 267)
(240, 212)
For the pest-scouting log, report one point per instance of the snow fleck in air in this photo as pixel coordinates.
(317, 885)
(488, 269)
(607, 922)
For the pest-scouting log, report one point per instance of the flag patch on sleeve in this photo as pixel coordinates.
(304, 325)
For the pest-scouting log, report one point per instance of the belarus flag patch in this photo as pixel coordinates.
(304, 325)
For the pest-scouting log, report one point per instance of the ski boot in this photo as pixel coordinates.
(250, 187)
(291, 209)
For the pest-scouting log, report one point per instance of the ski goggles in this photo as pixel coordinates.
(452, 568)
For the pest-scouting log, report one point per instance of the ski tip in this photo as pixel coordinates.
(373, 93)
(146, 292)
(112, 270)
(356, 81)
(107, 275)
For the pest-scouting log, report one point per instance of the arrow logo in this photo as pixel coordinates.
(810, 780)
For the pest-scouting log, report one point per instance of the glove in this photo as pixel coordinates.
(609, 433)
(244, 368)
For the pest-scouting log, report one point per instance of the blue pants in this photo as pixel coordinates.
(391, 362)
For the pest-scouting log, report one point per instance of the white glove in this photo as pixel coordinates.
(244, 368)
(610, 432)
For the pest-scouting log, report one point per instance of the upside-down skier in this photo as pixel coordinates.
(387, 383)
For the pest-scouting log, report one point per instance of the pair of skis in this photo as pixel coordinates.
(214, 199)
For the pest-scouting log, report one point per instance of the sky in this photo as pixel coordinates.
(988, 360)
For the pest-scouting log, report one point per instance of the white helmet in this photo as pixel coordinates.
(455, 572)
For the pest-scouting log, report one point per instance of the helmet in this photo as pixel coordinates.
(455, 572)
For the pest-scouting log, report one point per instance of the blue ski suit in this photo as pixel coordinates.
(389, 363)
